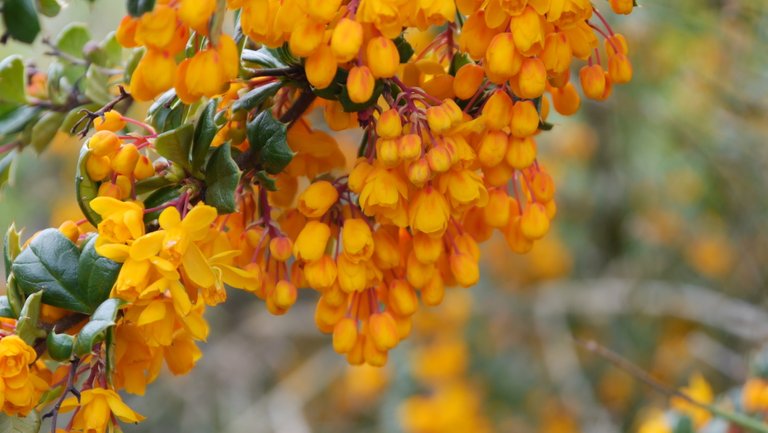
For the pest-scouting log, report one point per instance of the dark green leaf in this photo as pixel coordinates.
(85, 187)
(137, 7)
(266, 181)
(72, 38)
(93, 331)
(11, 248)
(205, 130)
(8, 166)
(268, 140)
(159, 198)
(403, 48)
(49, 264)
(175, 145)
(49, 8)
(44, 130)
(19, 424)
(459, 59)
(16, 120)
(60, 346)
(20, 18)
(12, 80)
(26, 327)
(262, 57)
(167, 112)
(5, 308)
(95, 274)
(257, 96)
(153, 183)
(221, 177)
(15, 296)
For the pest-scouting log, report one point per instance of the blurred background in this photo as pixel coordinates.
(658, 252)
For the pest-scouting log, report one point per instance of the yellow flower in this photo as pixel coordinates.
(97, 406)
(121, 221)
(357, 239)
(315, 201)
(311, 242)
(429, 212)
(699, 390)
(384, 195)
(20, 388)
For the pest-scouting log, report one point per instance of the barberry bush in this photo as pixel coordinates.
(215, 156)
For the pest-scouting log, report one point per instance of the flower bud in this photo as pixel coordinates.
(492, 148)
(409, 147)
(320, 67)
(306, 36)
(280, 248)
(514, 237)
(98, 167)
(496, 212)
(355, 356)
(502, 60)
(427, 249)
(360, 84)
(534, 223)
(144, 168)
(497, 111)
(387, 152)
(126, 32)
(557, 54)
(468, 80)
(357, 239)
(347, 39)
(320, 274)
(521, 152)
(344, 335)
(619, 69)
(532, 80)
(315, 201)
(382, 57)
(439, 159)
(109, 189)
(111, 121)
(593, 81)
(433, 292)
(566, 99)
(542, 186)
(352, 276)
(623, 7)
(465, 269)
(70, 230)
(125, 160)
(389, 124)
(104, 143)
(382, 330)
(284, 294)
(418, 273)
(453, 111)
(402, 298)
(323, 11)
(525, 119)
(418, 172)
(439, 119)
(373, 356)
(312, 240)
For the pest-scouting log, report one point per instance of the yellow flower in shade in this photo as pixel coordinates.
(699, 390)
(121, 221)
(464, 188)
(347, 39)
(97, 407)
(567, 12)
(154, 74)
(429, 212)
(196, 13)
(136, 363)
(20, 387)
(315, 201)
(360, 84)
(384, 195)
(182, 354)
(357, 239)
(311, 242)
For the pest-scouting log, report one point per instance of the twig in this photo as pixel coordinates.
(298, 108)
(90, 116)
(69, 388)
(641, 375)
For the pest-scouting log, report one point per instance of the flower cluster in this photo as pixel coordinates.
(20, 384)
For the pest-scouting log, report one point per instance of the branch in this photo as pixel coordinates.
(90, 116)
(302, 103)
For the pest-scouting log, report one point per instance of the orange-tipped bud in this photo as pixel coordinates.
(347, 39)
(306, 36)
(321, 274)
(419, 172)
(388, 152)
(126, 32)
(312, 240)
(284, 294)
(382, 330)
(357, 239)
(439, 159)
(360, 84)
(525, 119)
(516, 241)
(492, 148)
(320, 67)
(623, 7)
(144, 168)
(534, 223)
(409, 147)
(104, 143)
(542, 186)
(109, 189)
(465, 269)
(496, 212)
(402, 298)
(566, 99)
(453, 111)
(125, 160)
(433, 292)
(502, 59)
(280, 248)
(112, 121)
(557, 54)
(427, 249)
(344, 335)
(532, 80)
(593, 82)
(98, 167)
(70, 230)
(439, 119)
(389, 124)
(521, 152)
(468, 80)
(355, 356)
(619, 69)
(497, 111)
(373, 356)
(315, 201)
(382, 57)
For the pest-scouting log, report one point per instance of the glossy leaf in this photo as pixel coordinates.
(94, 331)
(221, 177)
(5, 308)
(16, 120)
(95, 274)
(49, 265)
(59, 346)
(404, 49)
(137, 7)
(21, 21)
(205, 131)
(175, 145)
(257, 96)
(269, 142)
(45, 129)
(49, 8)
(86, 188)
(12, 80)
(27, 328)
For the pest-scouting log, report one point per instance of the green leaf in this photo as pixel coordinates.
(205, 130)
(159, 198)
(269, 142)
(20, 18)
(12, 80)
(72, 38)
(403, 48)
(167, 112)
(262, 57)
(49, 265)
(137, 7)
(96, 274)
(26, 327)
(17, 424)
(49, 8)
(44, 130)
(153, 183)
(266, 181)
(175, 145)
(11, 248)
(459, 59)
(257, 96)
(107, 53)
(16, 120)
(15, 297)
(8, 167)
(74, 115)
(85, 187)
(221, 177)
(97, 85)
(60, 346)
(5, 308)
(94, 331)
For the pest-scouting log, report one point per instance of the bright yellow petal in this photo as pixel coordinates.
(181, 301)
(169, 218)
(197, 267)
(154, 312)
(147, 246)
(116, 252)
(199, 219)
(121, 410)
(106, 206)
